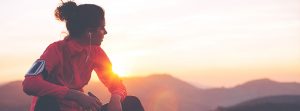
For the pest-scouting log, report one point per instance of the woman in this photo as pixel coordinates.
(57, 78)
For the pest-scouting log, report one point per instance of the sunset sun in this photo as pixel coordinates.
(121, 71)
(120, 67)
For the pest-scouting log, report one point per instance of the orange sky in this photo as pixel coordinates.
(210, 43)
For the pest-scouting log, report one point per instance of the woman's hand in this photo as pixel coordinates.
(85, 101)
(115, 103)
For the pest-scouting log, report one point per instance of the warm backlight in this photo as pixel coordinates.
(121, 71)
(120, 66)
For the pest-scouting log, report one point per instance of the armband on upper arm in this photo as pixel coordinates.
(37, 67)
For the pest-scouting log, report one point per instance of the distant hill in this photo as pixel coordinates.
(166, 93)
(250, 90)
(160, 93)
(271, 103)
(13, 98)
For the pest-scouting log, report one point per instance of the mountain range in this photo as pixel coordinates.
(270, 103)
(166, 93)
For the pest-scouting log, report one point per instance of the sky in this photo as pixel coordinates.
(211, 43)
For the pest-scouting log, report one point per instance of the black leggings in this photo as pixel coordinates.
(46, 103)
(130, 103)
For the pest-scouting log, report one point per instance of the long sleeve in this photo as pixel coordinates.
(35, 85)
(105, 74)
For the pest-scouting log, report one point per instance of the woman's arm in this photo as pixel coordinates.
(103, 68)
(34, 83)
(37, 86)
(112, 82)
(115, 87)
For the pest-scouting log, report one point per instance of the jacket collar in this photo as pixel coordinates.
(74, 47)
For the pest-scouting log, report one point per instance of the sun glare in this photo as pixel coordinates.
(120, 67)
(121, 71)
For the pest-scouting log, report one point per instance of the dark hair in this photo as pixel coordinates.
(79, 18)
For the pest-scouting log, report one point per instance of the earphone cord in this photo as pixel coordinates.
(87, 57)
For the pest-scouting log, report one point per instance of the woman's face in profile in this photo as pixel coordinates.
(98, 36)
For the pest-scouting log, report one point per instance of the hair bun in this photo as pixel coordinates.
(66, 11)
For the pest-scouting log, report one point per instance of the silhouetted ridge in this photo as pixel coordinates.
(13, 98)
(292, 99)
(162, 92)
(11, 84)
(270, 103)
(263, 82)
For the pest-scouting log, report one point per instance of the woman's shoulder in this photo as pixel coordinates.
(56, 44)
(59, 42)
(54, 47)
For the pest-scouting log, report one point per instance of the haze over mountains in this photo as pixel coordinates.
(166, 93)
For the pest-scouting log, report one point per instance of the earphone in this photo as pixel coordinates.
(90, 35)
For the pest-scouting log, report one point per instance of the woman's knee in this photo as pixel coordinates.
(131, 98)
(132, 103)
